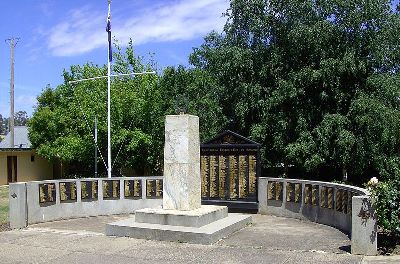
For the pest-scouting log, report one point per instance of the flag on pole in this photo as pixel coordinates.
(108, 29)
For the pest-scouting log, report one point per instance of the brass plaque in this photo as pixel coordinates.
(289, 192)
(154, 189)
(252, 175)
(243, 172)
(133, 189)
(275, 191)
(67, 191)
(297, 192)
(159, 188)
(308, 194)
(279, 191)
(330, 198)
(89, 190)
(314, 195)
(213, 177)
(324, 197)
(47, 193)
(205, 176)
(222, 176)
(344, 201)
(271, 191)
(233, 177)
(339, 198)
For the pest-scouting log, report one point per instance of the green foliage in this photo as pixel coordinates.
(386, 197)
(201, 93)
(4, 204)
(315, 82)
(63, 122)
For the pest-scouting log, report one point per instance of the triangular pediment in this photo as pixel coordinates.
(230, 138)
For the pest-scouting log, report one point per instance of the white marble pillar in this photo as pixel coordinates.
(182, 180)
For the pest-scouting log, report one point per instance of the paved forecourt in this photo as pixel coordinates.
(269, 239)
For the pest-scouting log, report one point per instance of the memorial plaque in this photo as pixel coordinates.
(243, 177)
(154, 189)
(110, 189)
(133, 189)
(308, 194)
(339, 199)
(67, 191)
(214, 190)
(289, 192)
(222, 173)
(297, 193)
(89, 190)
(229, 166)
(271, 190)
(205, 176)
(252, 175)
(275, 191)
(47, 193)
(324, 197)
(314, 195)
(233, 177)
(344, 201)
(330, 198)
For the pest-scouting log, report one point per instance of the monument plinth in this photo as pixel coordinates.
(182, 217)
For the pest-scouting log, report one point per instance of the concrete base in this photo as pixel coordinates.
(206, 234)
(205, 215)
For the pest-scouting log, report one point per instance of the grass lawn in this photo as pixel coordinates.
(3, 204)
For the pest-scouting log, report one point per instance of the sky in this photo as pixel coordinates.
(55, 34)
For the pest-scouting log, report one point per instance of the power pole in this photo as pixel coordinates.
(95, 146)
(12, 42)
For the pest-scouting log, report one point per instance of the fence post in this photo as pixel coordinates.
(18, 211)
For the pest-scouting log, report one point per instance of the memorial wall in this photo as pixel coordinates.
(230, 166)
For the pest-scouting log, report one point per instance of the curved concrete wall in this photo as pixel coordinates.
(345, 207)
(42, 201)
(321, 202)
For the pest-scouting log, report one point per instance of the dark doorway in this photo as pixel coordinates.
(12, 169)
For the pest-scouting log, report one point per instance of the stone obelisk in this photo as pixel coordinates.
(182, 180)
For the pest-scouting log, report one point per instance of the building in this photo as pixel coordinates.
(20, 162)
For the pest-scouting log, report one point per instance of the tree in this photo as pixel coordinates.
(199, 93)
(314, 81)
(62, 124)
(3, 125)
(21, 118)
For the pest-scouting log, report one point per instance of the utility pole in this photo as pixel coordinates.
(12, 42)
(95, 147)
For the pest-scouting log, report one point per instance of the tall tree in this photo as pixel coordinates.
(21, 118)
(62, 124)
(305, 78)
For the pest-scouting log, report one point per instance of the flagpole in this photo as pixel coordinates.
(109, 100)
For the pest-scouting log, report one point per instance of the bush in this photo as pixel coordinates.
(386, 197)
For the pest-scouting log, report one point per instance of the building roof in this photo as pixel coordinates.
(21, 140)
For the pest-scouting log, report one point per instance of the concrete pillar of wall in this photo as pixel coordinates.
(363, 227)
(18, 205)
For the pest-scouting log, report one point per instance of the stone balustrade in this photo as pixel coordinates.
(42, 201)
(345, 207)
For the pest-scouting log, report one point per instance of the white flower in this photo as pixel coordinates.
(373, 181)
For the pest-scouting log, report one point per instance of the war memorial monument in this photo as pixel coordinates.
(182, 217)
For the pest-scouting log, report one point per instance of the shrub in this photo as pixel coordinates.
(386, 197)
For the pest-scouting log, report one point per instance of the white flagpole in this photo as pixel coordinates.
(109, 104)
